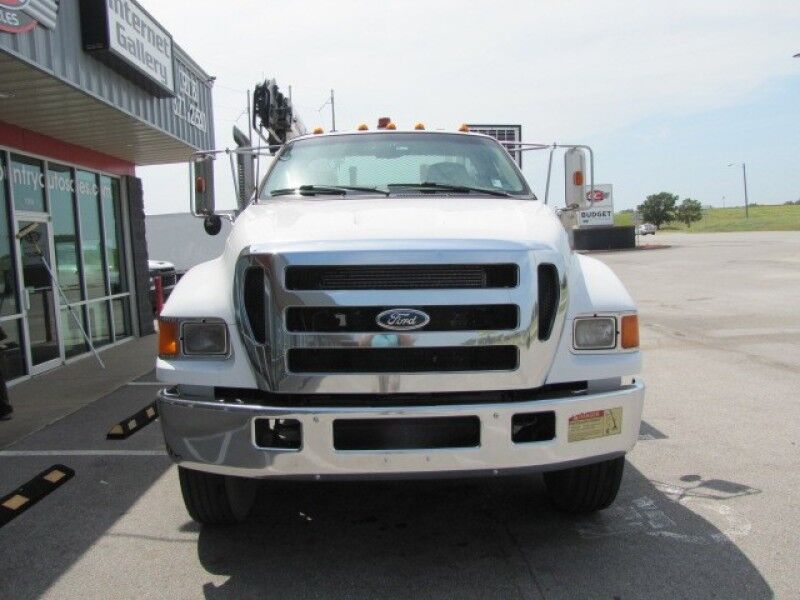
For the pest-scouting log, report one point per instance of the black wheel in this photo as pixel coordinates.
(216, 499)
(587, 488)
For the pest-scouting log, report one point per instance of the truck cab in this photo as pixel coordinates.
(397, 304)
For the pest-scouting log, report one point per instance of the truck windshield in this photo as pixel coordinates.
(394, 163)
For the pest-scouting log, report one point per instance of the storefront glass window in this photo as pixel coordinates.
(101, 325)
(27, 178)
(88, 258)
(11, 361)
(109, 189)
(8, 281)
(61, 186)
(122, 318)
(74, 342)
(91, 234)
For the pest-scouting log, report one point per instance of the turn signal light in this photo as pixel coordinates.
(577, 178)
(630, 331)
(168, 338)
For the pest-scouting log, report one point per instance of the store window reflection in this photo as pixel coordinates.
(11, 360)
(101, 324)
(8, 281)
(61, 186)
(93, 251)
(83, 241)
(122, 318)
(114, 240)
(74, 342)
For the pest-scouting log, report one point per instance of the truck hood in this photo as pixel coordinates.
(300, 220)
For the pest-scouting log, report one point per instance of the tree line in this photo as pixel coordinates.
(663, 208)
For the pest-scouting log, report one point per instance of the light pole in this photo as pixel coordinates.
(744, 179)
(332, 102)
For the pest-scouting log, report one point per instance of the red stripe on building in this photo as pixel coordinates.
(25, 140)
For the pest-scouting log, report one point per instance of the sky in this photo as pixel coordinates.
(666, 93)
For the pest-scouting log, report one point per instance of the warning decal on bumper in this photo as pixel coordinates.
(595, 424)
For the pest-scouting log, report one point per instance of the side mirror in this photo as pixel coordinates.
(575, 177)
(201, 172)
(212, 224)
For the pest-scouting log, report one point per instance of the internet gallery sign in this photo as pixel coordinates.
(127, 38)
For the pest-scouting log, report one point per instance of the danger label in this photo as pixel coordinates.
(595, 424)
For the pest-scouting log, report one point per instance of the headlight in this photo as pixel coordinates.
(204, 338)
(594, 333)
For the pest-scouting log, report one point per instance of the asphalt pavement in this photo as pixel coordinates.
(708, 505)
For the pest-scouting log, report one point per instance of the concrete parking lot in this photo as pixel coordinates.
(708, 506)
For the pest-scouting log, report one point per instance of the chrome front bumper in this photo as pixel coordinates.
(219, 438)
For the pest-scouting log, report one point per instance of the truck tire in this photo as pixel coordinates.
(585, 489)
(216, 499)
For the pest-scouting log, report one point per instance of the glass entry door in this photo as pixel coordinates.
(39, 294)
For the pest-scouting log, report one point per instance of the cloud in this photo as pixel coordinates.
(566, 70)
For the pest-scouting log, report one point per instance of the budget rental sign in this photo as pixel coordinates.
(598, 207)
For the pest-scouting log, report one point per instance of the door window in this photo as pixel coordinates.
(27, 178)
(39, 292)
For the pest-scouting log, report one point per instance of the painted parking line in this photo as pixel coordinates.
(26, 496)
(125, 429)
(110, 453)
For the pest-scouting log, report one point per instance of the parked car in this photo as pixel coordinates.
(169, 277)
(647, 229)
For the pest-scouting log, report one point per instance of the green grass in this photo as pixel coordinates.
(762, 218)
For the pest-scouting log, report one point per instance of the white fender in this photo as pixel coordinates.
(593, 288)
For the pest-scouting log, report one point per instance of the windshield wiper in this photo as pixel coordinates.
(451, 188)
(314, 190)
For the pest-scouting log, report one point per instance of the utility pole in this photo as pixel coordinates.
(330, 101)
(333, 113)
(744, 179)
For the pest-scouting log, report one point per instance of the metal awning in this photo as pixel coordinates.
(35, 100)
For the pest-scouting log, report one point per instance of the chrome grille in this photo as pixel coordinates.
(307, 317)
(401, 277)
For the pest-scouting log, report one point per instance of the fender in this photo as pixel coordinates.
(205, 291)
(593, 288)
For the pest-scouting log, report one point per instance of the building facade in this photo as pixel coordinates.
(89, 90)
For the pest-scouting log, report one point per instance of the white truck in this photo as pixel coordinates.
(397, 304)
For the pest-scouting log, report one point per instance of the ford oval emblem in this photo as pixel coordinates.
(402, 319)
